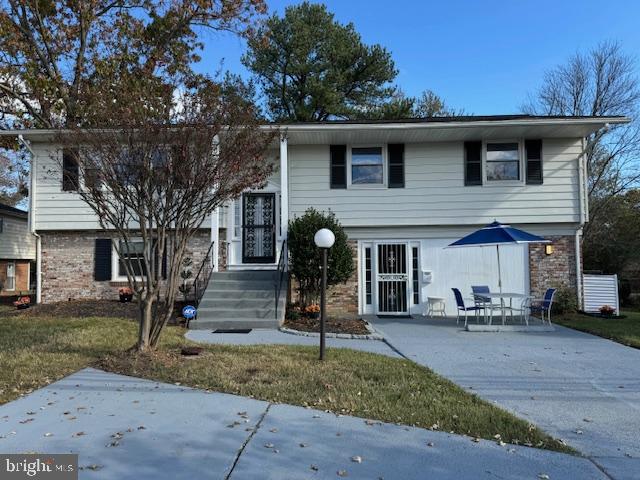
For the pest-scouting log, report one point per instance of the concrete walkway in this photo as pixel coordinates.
(577, 387)
(275, 337)
(128, 428)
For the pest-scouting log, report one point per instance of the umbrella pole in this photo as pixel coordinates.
(499, 269)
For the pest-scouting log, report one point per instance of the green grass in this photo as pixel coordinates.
(35, 352)
(621, 330)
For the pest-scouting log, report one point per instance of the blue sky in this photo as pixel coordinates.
(483, 56)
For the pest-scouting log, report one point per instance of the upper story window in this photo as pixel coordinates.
(367, 166)
(503, 161)
(70, 170)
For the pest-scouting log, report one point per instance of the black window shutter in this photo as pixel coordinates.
(396, 165)
(338, 166)
(70, 171)
(102, 260)
(533, 150)
(473, 163)
(164, 263)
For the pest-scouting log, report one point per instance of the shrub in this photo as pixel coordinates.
(564, 301)
(306, 258)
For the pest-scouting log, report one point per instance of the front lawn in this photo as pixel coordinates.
(37, 351)
(621, 330)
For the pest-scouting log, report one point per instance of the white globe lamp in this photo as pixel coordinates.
(324, 238)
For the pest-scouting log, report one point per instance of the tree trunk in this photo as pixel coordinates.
(146, 320)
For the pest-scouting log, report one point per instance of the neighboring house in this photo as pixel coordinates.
(403, 190)
(17, 251)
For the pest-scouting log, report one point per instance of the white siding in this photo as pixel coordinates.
(600, 290)
(434, 192)
(55, 209)
(463, 267)
(15, 240)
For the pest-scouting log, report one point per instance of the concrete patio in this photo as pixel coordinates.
(124, 427)
(577, 387)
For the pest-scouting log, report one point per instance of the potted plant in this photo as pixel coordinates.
(313, 310)
(607, 311)
(126, 294)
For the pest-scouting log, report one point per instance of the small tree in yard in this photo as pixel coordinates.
(153, 177)
(306, 258)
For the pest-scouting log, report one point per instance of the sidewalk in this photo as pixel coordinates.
(125, 427)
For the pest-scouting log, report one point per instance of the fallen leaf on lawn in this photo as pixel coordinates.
(356, 459)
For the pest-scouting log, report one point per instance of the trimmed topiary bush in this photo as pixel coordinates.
(306, 258)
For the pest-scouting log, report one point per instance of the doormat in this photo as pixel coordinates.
(232, 330)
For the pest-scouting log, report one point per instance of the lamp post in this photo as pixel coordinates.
(324, 239)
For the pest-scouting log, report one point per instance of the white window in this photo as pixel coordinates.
(11, 276)
(134, 256)
(237, 217)
(502, 161)
(367, 166)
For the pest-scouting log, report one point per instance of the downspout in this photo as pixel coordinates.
(583, 201)
(32, 229)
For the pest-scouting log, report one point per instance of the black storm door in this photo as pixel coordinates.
(258, 228)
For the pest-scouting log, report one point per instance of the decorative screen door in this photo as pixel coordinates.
(258, 228)
(392, 279)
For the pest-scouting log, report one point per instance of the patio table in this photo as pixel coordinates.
(502, 297)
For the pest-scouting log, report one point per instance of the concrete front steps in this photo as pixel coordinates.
(241, 299)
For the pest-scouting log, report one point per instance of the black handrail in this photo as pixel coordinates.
(203, 276)
(283, 264)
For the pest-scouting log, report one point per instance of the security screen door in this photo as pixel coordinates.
(258, 228)
(392, 279)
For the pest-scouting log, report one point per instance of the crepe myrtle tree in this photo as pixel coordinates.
(306, 258)
(154, 176)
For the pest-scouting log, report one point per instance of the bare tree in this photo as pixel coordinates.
(153, 179)
(601, 82)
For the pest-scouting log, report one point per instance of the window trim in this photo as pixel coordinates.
(115, 262)
(385, 167)
(13, 289)
(521, 164)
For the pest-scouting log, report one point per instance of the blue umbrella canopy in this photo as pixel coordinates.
(496, 234)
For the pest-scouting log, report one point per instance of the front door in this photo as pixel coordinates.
(258, 228)
(392, 279)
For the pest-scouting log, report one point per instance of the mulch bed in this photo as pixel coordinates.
(83, 308)
(355, 326)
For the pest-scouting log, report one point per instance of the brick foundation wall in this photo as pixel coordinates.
(68, 265)
(555, 270)
(342, 299)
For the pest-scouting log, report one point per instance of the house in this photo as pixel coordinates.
(402, 189)
(17, 252)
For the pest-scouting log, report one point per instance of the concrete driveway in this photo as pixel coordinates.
(128, 428)
(578, 387)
